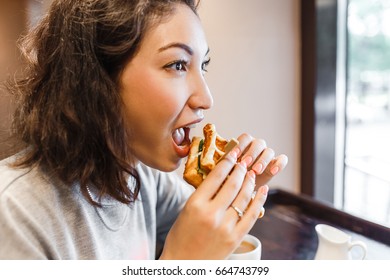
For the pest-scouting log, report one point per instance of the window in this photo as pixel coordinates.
(367, 146)
(346, 105)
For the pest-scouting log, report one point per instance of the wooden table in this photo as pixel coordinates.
(287, 229)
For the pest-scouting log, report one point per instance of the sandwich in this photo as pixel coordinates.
(204, 154)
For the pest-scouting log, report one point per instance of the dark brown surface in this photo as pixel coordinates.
(287, 230)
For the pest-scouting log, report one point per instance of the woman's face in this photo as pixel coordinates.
(164, 90)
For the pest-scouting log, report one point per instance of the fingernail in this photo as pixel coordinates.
(234, 153)
(246, 161)
(274, 170)
(252, 175)
(258, 167)
(264, 190)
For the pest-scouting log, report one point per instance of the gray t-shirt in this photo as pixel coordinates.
(41, 218)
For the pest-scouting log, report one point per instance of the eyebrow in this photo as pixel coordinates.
(185, 47)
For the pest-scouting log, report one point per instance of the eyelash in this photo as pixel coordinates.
(174, 65)
(205, 64)
(183, 63)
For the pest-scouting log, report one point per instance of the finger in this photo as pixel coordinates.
(244, 140)
(217, 176)
(252, 213)
(244, 197)
(254, 150)
(232, 186)
(263, 161)
(274, 167)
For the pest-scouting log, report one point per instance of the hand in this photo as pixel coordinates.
(209, 227)
(265, 165)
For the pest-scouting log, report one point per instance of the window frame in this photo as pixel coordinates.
(323, 80)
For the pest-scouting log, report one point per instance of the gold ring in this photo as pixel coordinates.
(238, 210)
(262, 213)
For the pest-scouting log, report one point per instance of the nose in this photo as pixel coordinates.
(201, 97)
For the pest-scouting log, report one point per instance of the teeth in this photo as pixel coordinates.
(178, 136)
(181, 135)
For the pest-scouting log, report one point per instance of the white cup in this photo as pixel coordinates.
(249, 249)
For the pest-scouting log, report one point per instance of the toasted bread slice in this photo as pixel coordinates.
(191, 172)
(214, 148)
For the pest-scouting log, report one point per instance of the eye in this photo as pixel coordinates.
(205, 64)
(179, 65)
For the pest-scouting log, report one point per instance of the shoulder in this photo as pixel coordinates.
(32, 213)
(28, 186)
(13, 178)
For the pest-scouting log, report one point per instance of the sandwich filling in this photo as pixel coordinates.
(200, 150)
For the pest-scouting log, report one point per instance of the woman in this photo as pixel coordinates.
(111, 91)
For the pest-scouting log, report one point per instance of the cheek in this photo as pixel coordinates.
(154, 102)
(151, 96)
(164, 98)
(169, 104)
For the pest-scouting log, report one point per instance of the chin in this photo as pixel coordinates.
(166, 166)
(169, 167)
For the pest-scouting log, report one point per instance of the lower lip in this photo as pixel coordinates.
(181, 151)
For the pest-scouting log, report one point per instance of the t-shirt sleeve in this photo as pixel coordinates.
(18, 231)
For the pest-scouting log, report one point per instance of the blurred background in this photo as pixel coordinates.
(265, 75)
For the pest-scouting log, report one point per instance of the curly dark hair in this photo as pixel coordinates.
(70, 113)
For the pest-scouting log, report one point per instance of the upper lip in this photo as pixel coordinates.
(193, 122)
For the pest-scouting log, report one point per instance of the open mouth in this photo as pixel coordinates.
(181, 136)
